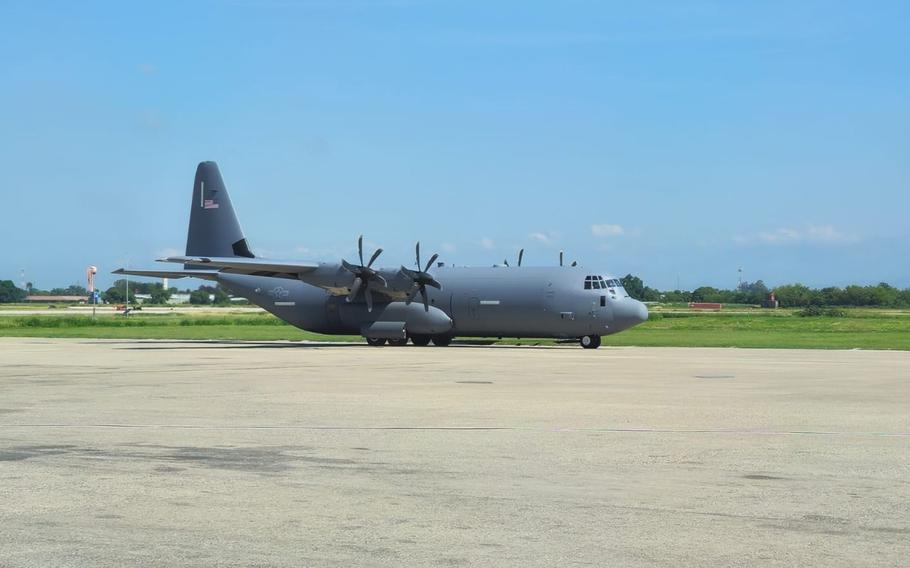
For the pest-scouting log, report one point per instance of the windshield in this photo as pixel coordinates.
(595, 282)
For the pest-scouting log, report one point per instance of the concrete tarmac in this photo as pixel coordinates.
(143, 453)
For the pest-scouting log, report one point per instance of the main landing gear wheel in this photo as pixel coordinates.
(398, 342)
(376, 341)
(590, 341)
(442, 340)
(420, 340)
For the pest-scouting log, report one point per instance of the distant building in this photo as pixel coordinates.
(54, 299)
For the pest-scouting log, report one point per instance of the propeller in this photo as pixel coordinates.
(521, 255)
(574, 262)
(363, 275)
(421, 279)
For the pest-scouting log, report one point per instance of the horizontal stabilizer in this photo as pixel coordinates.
(203, 274)
(244, 265)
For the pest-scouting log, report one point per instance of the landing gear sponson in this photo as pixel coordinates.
(418, 340)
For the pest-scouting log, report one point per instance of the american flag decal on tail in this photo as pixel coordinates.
(206, 203)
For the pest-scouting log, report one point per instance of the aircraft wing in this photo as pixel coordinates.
(240, 265)
(203, 274)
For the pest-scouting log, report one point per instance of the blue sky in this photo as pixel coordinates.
(674, 140)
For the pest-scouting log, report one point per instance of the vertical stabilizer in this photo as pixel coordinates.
(214, 230)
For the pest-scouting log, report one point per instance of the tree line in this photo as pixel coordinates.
(788, 295)
(753, 293)
(117, 294)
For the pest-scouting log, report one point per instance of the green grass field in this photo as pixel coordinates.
(863, 329)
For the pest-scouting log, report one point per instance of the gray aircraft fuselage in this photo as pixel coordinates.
(479, 302)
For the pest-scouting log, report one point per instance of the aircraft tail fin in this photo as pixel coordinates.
(214, 229)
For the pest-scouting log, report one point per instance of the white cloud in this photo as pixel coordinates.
(827, 234)
(780, 236)
(607, 230)
(814, 234)
(487, 243)
(540, 237)
(164, 253)
(448, 247)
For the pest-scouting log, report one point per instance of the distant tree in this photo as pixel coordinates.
(676, 296)
(751, 293)
(221, 297)
(886, 295)
(793, 295)
(634, 286)
(158, 294)
(116, 294)
(71, 290)
(10, 293)
(200, 296)
(706, 294)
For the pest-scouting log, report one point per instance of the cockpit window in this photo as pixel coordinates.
(596, 282)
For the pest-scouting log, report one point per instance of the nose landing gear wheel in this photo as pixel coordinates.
(398, 342)
(375, 341)
(590, 341)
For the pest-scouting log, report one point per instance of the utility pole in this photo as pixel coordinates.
(90, 277)
(126, 312)
(740, 278)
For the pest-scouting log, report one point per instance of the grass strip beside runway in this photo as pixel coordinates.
(859, 329)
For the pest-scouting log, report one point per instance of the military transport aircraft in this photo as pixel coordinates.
(397, 304)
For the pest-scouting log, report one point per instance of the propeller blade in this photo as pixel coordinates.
(574, 263)
(369, 298)
(358, 282)
(521, 253)
(381, 279)
(426, 303)
(417, 250)
(374, 257)
(409, 273)
(360, 248)
(349, 267)
(432, 282)
(429, 262)
(506, 262)
(560, 258)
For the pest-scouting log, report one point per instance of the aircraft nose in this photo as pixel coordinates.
(629, 312)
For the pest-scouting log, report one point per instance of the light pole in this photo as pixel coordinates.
(90, 278)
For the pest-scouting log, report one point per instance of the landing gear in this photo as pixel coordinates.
(420, 340)
(398, 342)
(376, 341)
(442, 340)
(590, 341)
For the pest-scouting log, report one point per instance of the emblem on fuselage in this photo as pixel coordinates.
(279, 292)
